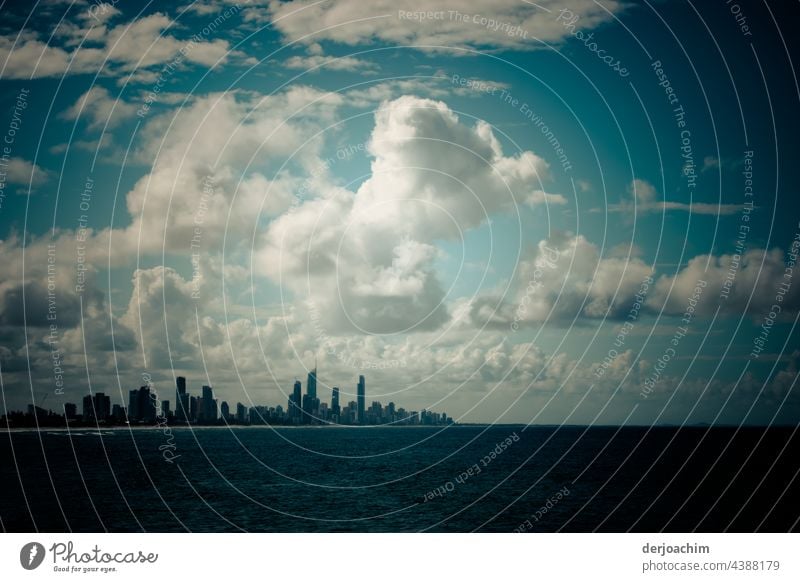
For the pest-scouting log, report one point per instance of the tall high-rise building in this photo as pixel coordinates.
(70, 411)
(295, 403)
(102, 406)
(375, 414)
(362, 399)
(241, 413)
(335, 401)
(133, 406)
(181, 399)
(88, 408)
(310, 401)
(311, 387)
(308, 405)
(165, 409)
(97, 407)
(118, 413)
(225, 411)
(208, 406)
(194, 406)
(146, 404)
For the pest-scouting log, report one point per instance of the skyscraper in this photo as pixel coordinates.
(102, 406)
(311, 387)
(193, 408)
(147, 404)
(208, 407)
(181, 399)
(310, 401)
(118, 413)
(362, 398)
(133, 406)
(295, 410)
(141, 405)
(70, 411)
(307, 404)
(88, 408)
(335, 410)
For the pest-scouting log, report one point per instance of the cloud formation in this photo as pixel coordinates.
(314, 63)
(486, 24)
(22, 172)
(643, 198)
(91, 47)
(367, 259)
(566, 279)
(100, 109)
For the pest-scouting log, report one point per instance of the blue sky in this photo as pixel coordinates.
(461, 203)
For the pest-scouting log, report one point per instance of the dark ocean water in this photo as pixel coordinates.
(382, 478)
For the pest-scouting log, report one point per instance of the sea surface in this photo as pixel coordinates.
(401, 479)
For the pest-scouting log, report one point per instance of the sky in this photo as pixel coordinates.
(515, 212)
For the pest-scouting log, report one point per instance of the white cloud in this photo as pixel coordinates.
(125, 48)
(32, 58)
(144, 43)
(702, 208)
(318, 62)
(366, 259)
(565, 279)
(436, 87)
(646, 199)
(460, 25)
(50, 294)
(643, 191)
(457, 173)
(100, 108)
(20, 171)
(104, 143)
(208, 165)
(752, 280)
(538, 197)
(161, 312)
(203, 7)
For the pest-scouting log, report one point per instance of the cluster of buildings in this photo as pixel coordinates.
(145, 407)
(309, 409)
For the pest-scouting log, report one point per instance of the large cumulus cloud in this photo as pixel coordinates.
(366, 260)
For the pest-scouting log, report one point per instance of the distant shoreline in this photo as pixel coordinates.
(155, 427)
(117, 428)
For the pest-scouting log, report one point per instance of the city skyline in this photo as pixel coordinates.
(145, 406)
